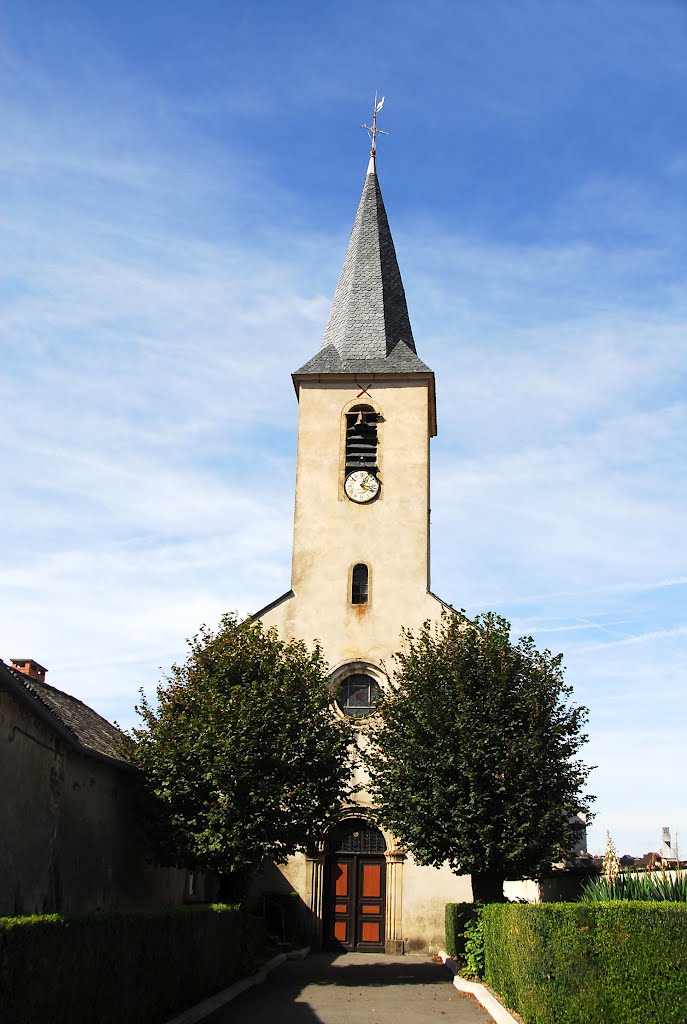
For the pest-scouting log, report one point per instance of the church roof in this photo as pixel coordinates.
(368, 330)
(74, 721)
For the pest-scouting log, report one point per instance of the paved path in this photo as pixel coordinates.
(354, 988)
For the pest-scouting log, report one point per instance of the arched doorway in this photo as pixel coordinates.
(355, 887)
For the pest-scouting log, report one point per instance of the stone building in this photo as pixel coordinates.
(360, 570)
(71, 838)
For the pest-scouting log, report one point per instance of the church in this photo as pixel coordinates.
(360, 575)
(361, 571)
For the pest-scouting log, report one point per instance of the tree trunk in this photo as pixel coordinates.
(487, 887)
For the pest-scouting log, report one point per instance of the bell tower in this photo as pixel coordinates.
(360, 570)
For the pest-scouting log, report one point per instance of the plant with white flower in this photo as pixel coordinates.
(611, 864)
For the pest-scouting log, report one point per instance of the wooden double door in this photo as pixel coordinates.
(355, 902)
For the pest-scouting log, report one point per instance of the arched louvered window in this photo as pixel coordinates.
(361, 438)
(359, 584)
(355, 835)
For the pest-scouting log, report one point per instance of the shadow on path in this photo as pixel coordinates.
(352, 988)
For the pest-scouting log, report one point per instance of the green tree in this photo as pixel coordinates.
(472, 756)
(240, 753)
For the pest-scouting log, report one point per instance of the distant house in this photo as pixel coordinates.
(70, 834)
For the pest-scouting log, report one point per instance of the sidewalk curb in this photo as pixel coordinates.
(483, 996)
(208, 1006)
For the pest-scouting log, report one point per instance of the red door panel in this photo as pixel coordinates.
(371, 880)
(370, 931)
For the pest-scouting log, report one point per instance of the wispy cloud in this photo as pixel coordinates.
(639, 638)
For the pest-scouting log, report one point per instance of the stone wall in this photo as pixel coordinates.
(70, 838)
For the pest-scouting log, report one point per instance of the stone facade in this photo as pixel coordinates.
(70, 836)
(390, 536)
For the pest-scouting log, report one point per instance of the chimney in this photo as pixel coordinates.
(30, 668)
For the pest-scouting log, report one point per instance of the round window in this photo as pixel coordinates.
(359, 695)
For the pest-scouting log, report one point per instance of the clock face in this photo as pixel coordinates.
(361, 486)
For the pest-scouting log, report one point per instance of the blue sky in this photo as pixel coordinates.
(179, 183)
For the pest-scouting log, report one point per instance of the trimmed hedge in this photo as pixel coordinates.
(457, 916)
(576, 963)
(141, 967)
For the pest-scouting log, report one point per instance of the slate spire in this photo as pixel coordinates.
(368, 327)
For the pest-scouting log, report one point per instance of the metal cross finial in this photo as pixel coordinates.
(372, 130)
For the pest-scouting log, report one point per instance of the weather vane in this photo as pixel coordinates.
(372, 130)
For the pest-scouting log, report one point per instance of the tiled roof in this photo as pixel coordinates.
(81, 724)
(368, 330)
(401, 360)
